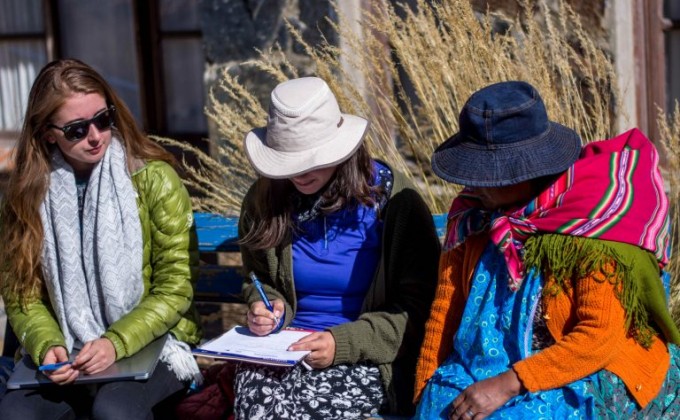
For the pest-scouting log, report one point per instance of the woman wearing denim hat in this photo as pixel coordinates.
(344, 246)
(550, 301)
(97, 250)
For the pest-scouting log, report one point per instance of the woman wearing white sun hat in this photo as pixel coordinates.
(344, 246)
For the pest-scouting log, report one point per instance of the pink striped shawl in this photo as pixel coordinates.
(614, 191)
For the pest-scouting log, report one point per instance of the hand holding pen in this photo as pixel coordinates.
(263, 316)
(50, 367)
(58, 366)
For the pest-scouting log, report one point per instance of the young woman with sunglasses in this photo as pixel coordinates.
(97, 251)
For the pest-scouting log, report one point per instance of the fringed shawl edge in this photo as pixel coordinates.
(564, 258)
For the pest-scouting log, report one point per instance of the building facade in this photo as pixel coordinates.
(162, 56)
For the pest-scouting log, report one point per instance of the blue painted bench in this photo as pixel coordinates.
(219, 234)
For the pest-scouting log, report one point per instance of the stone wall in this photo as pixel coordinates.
(234, 29)
(593, 14)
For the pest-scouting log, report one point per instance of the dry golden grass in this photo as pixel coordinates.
(415, 73)
(669, 130)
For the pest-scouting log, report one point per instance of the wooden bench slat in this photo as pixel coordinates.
(219, 284)
(219, 233)
(216, 233)
(440, 224)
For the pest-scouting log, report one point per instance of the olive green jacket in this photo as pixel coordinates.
(390, 329)
(169, 273)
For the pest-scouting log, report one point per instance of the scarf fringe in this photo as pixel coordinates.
(178, 356)
(563, 257)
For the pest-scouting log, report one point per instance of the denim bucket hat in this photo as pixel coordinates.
(505, 138)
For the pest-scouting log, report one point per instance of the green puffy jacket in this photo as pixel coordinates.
(169, 273)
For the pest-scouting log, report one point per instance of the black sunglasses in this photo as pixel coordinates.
(78, 130)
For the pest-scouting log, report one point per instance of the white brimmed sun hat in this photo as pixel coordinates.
(305, 131)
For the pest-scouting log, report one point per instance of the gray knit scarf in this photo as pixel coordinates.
(93, 270)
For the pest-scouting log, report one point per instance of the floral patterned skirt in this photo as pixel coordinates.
(343, 391)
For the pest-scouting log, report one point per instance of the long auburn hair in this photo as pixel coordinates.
(21, 230)
(271, 221)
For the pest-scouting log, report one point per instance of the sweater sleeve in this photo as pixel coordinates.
(410, 254)
(447, 309)
(597, 333)
(456, 268)
(35, 325)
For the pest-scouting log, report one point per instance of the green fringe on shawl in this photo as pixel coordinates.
(636, 282)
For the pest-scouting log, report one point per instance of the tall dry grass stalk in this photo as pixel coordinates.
(669, 130)
(409, 72)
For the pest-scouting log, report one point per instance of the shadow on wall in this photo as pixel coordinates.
(3, 183)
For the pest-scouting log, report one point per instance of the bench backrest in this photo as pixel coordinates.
(218, 235)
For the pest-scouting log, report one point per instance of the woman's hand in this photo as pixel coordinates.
(95, 356)
(261, 321)
(484, 397)
(322, 346)
(65, 374)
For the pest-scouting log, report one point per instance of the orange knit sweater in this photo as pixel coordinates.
(587, 323)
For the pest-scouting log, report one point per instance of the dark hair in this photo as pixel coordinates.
(271, 221)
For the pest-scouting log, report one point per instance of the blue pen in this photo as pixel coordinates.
(265, 300)
(53, 366)
(260, 290)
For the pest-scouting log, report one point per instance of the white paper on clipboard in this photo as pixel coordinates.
(240, 344)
